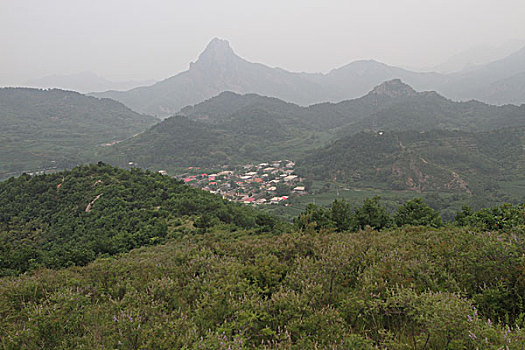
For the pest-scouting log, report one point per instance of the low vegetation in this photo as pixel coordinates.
(343, 277)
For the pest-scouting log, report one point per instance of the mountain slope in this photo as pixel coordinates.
(429, 110)
(508, 90)
(250, 135)
(421, 161)
(55, 128)
(219, 69)
(83, 82)
(490, 79)
(232, 128)
(73, 217)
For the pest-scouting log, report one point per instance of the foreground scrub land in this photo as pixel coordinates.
(407, 288)
(337, 278)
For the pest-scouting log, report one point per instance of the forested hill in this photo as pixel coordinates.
(56, 128)
(232, 128)
(421, 161)
(73, 217)
(253, 134)
(392, 105)
(428, 110)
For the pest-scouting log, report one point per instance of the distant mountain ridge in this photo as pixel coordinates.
(391, 105)
(232, 128)
(84, 82)
(56, 128)
(219, 69)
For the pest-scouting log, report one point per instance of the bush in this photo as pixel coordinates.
(418, 213)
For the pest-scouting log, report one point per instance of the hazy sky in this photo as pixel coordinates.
(155, 39)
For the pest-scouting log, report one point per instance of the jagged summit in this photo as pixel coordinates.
(217, 45)
(217, 52)
(219, 69)
(393, 88)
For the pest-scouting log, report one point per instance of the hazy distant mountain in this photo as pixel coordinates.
(232, 128)
(392, 105)
(509, 90)
(493, 82)
(218, 69)
(46, 128)
(84, 82)
(476, 56)
(359, 77)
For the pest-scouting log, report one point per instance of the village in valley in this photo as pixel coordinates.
(265, 183)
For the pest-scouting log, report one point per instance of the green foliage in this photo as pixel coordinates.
(73, 217)
(342, 215)
(372, 213)
(502, 217)
(414, 287)
(313, 217)
(418, 213)
(54, 128)
(437, 160)
(462, 217)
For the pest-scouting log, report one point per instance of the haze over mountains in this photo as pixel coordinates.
(84, 82)
(476, 56)
(219, 69)
(55, 128)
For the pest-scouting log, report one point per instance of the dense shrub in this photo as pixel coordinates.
(414, 287)
(418, 213)
(72, 217)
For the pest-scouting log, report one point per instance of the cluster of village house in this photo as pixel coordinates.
(264, 183)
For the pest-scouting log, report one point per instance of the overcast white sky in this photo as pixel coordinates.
(155, 39)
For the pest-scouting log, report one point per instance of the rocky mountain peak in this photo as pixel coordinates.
(393, 88)
(217, 53)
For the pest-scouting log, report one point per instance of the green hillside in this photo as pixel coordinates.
(421, 161)
(72, 217)
(54, 128)
(232, 128)
(100, 257)
(249, 135)
(407, 288)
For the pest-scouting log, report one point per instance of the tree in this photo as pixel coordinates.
(462, 216)
(372, 213)
(282, 190)
(342, 216)
(417, 212)
(313, 216)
